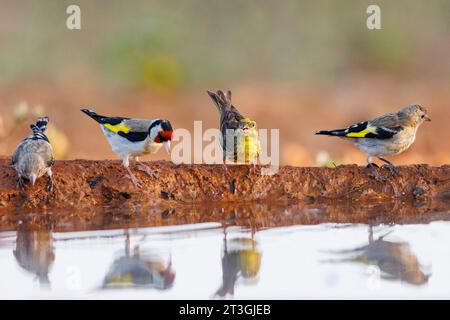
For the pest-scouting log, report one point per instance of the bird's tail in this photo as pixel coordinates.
(42, 123)
(93, 115)
(336, 133)
(221, 100)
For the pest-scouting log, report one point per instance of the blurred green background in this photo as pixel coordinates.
(168, 44)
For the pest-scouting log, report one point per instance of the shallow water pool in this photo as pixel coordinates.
(215, 261)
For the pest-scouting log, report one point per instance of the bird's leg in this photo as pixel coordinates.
(130, 175)
(389, 166)
(374, 173)
(133, 178)
(371, 165)
(144, 168)
(20, 183)
(50, 183)
(253, 168)
(231, 183)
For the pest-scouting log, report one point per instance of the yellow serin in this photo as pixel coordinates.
(248, 147)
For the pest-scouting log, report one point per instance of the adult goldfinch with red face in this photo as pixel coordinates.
(386, 135)
(134, 137)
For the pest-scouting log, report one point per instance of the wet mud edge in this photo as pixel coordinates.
(87, 183)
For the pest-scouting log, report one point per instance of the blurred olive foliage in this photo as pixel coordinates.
(22, 113)
(168, 44)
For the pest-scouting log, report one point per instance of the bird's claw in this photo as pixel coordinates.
(374, 174)
(377, 176)
(252, 171)
(147, 170)
(392, 169)
(50, 185)
(134, 180)
(20, 183)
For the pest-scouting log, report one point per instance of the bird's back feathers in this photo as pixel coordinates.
(134, 130)
(103, 119)
(34, 155)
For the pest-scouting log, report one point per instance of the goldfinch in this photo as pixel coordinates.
(134, 138)
(33, 157)
(395, 260)
(239, 139)
(144, 269)
(386, 135)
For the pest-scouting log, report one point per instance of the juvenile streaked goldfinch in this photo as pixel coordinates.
(134, 137)
(386, 135)
(33, 157)
(239, 139)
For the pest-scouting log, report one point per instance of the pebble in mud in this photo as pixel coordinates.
(417, 192)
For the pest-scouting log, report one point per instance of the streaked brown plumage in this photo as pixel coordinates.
(33, 157)
(239, 135)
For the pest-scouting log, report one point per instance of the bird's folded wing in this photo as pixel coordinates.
(384, 127)
(133, 130)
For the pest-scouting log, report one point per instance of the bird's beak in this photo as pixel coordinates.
(427, 118)
(167, 146)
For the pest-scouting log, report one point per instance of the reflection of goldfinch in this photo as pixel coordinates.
(239, 140)
(389, 134)
(134, 137)
(396, 260)
(146, 268)
(34, 156)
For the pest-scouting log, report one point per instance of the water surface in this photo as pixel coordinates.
(228, 259)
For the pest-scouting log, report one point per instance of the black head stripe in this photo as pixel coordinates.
(154, 124)
(166, 126)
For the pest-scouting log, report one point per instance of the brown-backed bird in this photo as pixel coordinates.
(33, 157)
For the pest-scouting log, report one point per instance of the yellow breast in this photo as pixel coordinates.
(248, 148)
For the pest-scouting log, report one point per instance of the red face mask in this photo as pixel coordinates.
(163, 136)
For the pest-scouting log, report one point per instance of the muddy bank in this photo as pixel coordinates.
(85, 183)
(256, 216)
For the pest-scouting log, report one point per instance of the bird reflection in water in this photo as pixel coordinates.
(146, 269)
(241, 259)
(395, 260)
(34, 252)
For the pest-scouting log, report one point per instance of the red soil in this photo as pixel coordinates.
(85, 183)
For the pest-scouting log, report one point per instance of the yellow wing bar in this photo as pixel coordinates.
(360, 134)
(120, 127)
